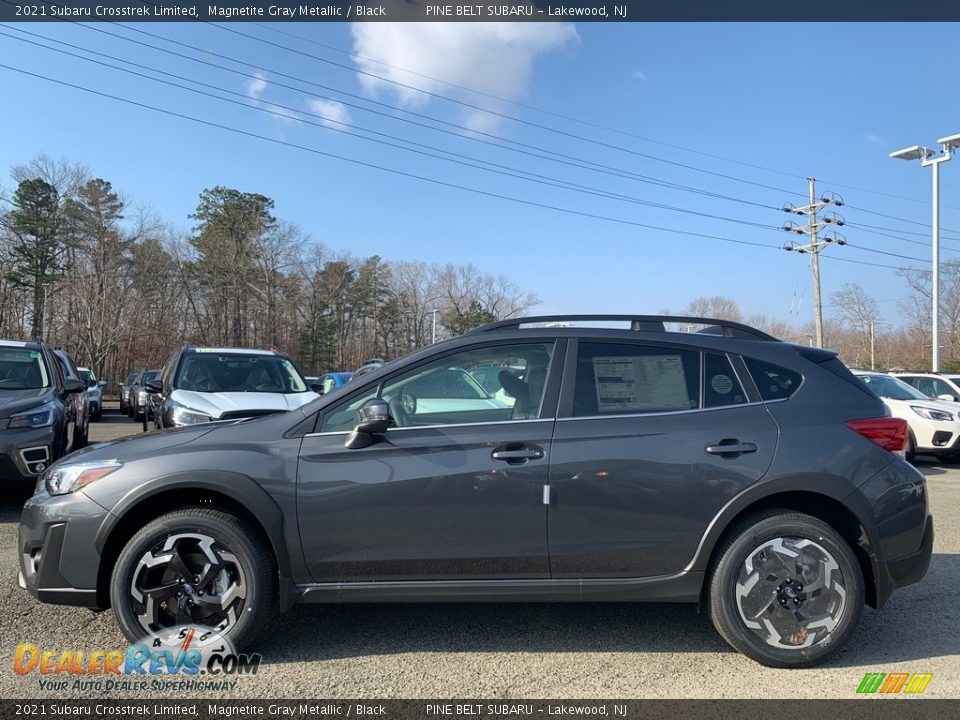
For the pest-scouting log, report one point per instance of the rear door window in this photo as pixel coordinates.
(620, 378)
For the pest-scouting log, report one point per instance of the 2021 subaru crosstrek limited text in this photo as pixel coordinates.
(639, 463)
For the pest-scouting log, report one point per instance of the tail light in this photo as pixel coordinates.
(889, 433)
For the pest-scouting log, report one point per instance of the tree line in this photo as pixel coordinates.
(120, 288)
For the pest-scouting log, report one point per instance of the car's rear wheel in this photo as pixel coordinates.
(785, 590)
(196, 567)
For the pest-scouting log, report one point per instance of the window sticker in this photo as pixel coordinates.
(630, 383)
(721, 384)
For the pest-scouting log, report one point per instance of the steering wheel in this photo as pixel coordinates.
(401, 408)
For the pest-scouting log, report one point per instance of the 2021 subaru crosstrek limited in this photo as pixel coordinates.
(634, 463)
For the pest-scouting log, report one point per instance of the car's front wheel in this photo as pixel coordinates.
(786, 589)
(194, 566)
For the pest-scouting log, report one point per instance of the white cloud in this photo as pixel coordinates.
(874, 139)
(640, 75)
(256, 85)
(332, 111)
(494, 58)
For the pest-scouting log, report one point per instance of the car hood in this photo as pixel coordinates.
(950, 407)
(129, 447)
(14, 401)
(216, 404)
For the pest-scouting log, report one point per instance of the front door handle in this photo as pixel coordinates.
(517, 454)
(731, 448)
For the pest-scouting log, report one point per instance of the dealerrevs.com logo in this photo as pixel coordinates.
(186, 658)
(894, 683)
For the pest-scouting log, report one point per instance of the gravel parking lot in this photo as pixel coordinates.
(516, 651)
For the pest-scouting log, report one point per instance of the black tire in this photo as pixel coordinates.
(80, 439)
(909, 450)
(833, 612)
(251, 569)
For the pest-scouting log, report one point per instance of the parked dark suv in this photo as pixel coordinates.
(757, 478)
(37, 412)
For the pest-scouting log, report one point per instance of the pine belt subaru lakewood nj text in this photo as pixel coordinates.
(633, 463)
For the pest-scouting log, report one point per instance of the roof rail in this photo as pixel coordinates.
(638, 323)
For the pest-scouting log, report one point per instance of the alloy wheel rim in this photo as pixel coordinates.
(791, 593)
(188, 578)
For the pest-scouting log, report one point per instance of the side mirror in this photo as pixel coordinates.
(373, 417)
(153, 386)
(317, 387)
(946, 397)
(71, 386)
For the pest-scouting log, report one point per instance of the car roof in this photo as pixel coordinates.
(19, 343)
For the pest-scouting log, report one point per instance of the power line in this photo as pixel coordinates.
(468, 134)
(383, 168)
(434, 119)
(510, 172)
(392, 170)
(513, 118)
(906, 220)
(494, 167)
(525, 106)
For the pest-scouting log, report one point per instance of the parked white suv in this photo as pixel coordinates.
(934, 424)
(941, 387)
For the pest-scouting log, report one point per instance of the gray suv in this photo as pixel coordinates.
(756, 478)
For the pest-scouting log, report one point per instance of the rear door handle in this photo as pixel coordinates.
(517, 455)
(731, 447)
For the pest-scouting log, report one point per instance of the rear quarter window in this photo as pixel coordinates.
(773, 381)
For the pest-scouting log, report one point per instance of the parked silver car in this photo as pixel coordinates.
(94, 392)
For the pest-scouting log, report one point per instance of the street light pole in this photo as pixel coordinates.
(433, 337)
(935, 281)
(932, 159)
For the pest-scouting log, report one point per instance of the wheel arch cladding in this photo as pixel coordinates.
(823, 507)
(224, 491)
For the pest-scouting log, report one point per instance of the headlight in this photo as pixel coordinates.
(932, 414)
(142, 395)
(185, 416)
(36, 418)
(68, 478)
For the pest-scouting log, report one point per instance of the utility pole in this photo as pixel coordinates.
(433, 337)
(816, 244)
(872, 363)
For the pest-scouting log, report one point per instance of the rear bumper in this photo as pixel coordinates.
(896, 528)
(912, 568)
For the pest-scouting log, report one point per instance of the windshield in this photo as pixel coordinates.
(22, 369)
(88, 377)
(228, 372)
(892, 388)
(131, 378)
(149, 375)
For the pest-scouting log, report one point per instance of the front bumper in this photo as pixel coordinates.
(58, 558)
(26, 452)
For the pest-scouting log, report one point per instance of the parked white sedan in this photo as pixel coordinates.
(934, 424)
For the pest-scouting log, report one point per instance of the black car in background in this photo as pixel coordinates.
(722, 468)
(138, 402)
(125, 388)
(37, 410)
